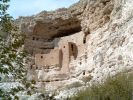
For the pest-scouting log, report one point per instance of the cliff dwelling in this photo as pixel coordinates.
(55, 44)
(80, 45)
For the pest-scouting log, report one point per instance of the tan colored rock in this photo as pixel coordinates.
(94, 36)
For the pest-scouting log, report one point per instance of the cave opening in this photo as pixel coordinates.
(33, 38)
(83, 72)
(41, 57)
(67, 32)
(84, 40)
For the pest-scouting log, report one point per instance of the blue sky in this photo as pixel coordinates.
(31, 7)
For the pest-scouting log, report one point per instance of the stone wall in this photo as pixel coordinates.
(50, 59)
(66, 57)
(77, 40)
(38, 44)
(107, 26)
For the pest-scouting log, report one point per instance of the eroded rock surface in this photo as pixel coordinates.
(75, 47)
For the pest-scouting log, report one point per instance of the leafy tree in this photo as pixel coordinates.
(12, 56)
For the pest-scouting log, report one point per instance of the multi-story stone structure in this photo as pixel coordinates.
(54, 42)
(66, 44)
(64, 51)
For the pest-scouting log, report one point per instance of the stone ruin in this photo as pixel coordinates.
(73, 45)
(54, 46)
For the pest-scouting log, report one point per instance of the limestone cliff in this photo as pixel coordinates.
(74, 47)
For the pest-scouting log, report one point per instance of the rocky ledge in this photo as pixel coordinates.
(92, 37)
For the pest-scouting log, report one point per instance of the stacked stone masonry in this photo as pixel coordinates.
(82, 44)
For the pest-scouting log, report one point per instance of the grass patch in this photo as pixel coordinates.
(119, 87)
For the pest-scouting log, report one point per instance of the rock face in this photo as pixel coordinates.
(74, 47)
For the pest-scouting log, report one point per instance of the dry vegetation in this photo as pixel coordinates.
(119, 87)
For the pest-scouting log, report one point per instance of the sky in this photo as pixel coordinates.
(30, 7)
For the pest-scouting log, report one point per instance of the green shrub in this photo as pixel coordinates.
(119, 87)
